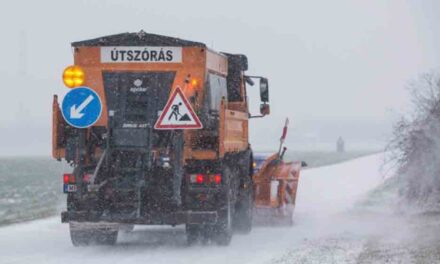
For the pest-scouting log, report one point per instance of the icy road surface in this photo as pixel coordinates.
(326, 230)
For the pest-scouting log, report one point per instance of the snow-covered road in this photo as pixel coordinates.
(323, 230)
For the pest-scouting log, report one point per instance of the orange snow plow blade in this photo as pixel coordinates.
(275, 186)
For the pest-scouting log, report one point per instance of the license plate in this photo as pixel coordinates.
(69, 188)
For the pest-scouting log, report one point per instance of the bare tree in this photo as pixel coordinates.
(415, 146)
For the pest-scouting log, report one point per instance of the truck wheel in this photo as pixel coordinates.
(196, 233)
(222, 231)
(105, 236)
(243, 214)
(80, 237)
(192, 233)
(245, 204)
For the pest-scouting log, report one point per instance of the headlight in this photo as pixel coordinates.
(73, 76)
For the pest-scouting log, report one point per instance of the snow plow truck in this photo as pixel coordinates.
(156, 130)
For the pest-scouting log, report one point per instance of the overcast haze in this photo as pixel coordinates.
(335, 67)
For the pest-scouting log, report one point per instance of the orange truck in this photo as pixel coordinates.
(171, 145)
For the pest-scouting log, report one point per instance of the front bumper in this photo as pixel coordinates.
(176, 218)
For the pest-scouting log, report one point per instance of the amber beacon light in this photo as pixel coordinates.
(73, 76)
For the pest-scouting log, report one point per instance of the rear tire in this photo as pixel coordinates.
(84, 236)
(222, 231)
(106, 237)
(192, 234)
(197, 233)
(244, 213)
(245, 203)
(80, 237)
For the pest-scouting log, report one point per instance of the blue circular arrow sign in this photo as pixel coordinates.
(81, 107)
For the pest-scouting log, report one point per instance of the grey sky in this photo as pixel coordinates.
(326, 60)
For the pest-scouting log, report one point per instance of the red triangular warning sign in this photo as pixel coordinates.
(178, 114)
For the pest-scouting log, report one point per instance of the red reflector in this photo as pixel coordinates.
(200, 178)
(217, 179)
(66, 178)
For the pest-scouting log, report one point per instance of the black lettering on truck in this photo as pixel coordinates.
(161, 55)
(114, 55)
(169, 55)
(145, 55)
(122, 54)
(137, 56)
(130, 55)
(153, 54)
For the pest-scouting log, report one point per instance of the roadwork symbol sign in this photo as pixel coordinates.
(178, 114)
(81, 107)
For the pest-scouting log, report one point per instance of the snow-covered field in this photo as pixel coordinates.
(331, 226)
(30, 188)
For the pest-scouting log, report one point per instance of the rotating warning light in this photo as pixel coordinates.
(73, 76)
(194, 82)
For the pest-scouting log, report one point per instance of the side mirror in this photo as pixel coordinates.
(264, 90)
(264, 109)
